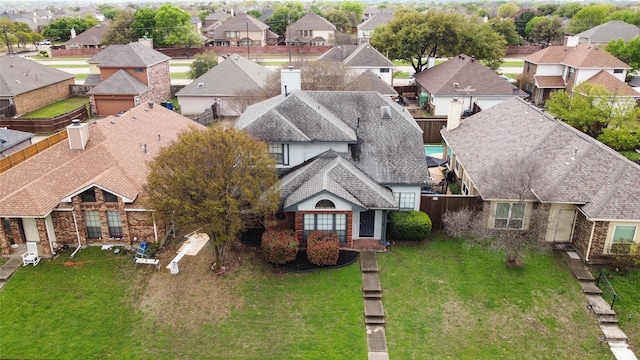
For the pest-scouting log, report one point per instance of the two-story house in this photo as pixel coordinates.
(565, 67)
(345, 159)
(241, 30)
(604, 33)
(366, 28)
(311, 29)
(360, 59)
(127, 76)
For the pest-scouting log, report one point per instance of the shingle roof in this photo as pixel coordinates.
(131, 55)
(335, 174)
(20, 75)
(363, 55)
(219, 15)
(375, 21)
(240, 22)
(113, 160)
(579, 56)
(230, 76)
(120, 83)
(612, 30)
(468, 74)
(369, 81)
(390, 150)
(550, 81)
(577, 168)
(9, 138)
(312, 21)
(91, 36)
(613, 85)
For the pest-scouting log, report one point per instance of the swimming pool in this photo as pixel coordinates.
(433, 150)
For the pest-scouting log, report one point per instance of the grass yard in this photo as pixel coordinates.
(444, 301)
(628, 288)
(57, 108)
(179, 75)
(631, 155)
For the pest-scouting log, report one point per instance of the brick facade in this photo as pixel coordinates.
(582, 233)
(43, 96)
(159, 76)
(299, 225)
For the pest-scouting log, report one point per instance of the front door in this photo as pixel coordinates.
(562, 219)
(367, 223)
(30, 230)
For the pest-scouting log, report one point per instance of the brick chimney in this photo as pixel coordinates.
(78, 134)
(455, 112)
(290, 80)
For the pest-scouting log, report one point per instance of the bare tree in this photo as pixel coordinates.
(316, 75)
(242, 99)
(518, 223)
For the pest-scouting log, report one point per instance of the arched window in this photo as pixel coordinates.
(325, 204)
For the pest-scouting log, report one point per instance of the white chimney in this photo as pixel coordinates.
(78, 134)
(455, 112)
(73, 33)
(431, 62)
(290, 80)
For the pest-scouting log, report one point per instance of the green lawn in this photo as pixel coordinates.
(81, 76)
(628, 288)
(57, 108)
(179, 75)
(69, 66)
(631, 155)
(444, 301)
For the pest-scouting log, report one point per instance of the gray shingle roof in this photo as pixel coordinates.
(363, 55)
(230, 76)
(120, 83)
(9, 138)
(390, 150)
(612, 30)
(467, 73)
(333, 173)
(577, 168)
(375, 21)
(91, 36)
(312, 21)
(240, 22)
(131, 55)
(369, 81)
(20, 75)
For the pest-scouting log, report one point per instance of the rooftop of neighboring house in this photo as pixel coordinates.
(9, 138)
(386, 139)
(242, 23)
(579, 56)
(20, 75)
(312, 21)
(134, 54)
(232, 75)
(574, 168)
(218, 15)
(376, 20)
(363, 55)
(462, 75)
(115, 159)
(613, 85)
(369, 81)
(609, 31)
(120, 83)
(91, 36)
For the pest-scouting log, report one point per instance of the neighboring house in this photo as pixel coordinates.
(89, 39)
(462, 77)
(587, 193)
(129, 75)
(28, 85)
(346, 159)
(361, 58)
(231, 85)
(365, 28)
(13, 140)
(89, 190)
(219, 16)
(565, 67)
(370, 81)
(196, 24)
(604, 33)
(241, 30)
(209, 31)
(311, 29)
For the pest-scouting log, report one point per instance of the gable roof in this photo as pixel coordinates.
(91, 36)
(390, 150)
(612, 30)
(577, 168)
(219, 15)
(613, 85)
(363, 55)
(9, 138)
(312, 21)
(579, 56)
(230, 76)
(112, 160)
(375, 21)
(120, 83)
(133, 54)
(20, 75)
(467, 73)
(240, 22)
(369, 81)
(333, 173)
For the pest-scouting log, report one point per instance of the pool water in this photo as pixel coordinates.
(433, 150)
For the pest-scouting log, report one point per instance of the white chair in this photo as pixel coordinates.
(31, 256)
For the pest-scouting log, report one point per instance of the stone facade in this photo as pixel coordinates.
(528, 81)
(582, 233)
(43, 96)
(299, 225)
(159, 76)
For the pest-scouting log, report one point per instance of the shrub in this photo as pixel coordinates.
(323, 248)
(279, 246)
(624, 263)
(409, 225)
(454, 188)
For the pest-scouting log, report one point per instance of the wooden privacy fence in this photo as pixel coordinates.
(431, 129)
(437, 205)
(46, 125)
(23, 154)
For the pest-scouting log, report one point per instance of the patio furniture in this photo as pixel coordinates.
(31, 256)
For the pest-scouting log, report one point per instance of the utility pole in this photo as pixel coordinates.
(289, 37)
(248, 42)
(6, 39)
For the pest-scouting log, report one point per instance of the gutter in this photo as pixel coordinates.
(75, 223)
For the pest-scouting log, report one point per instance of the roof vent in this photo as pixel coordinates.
(150, 104)
(456, 85)
(200, 85)
(385, 112)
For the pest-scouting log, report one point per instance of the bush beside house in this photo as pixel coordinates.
(323, 248)
(279, 246)
(409, 225)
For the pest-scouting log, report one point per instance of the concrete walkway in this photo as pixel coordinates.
(373, 310)
(8, 268)
(612, 334)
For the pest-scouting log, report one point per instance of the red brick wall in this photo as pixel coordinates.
(299, 225)
(74, 52)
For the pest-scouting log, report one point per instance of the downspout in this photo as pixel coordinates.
(75, 223)
(593, 230)
(155, 228)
